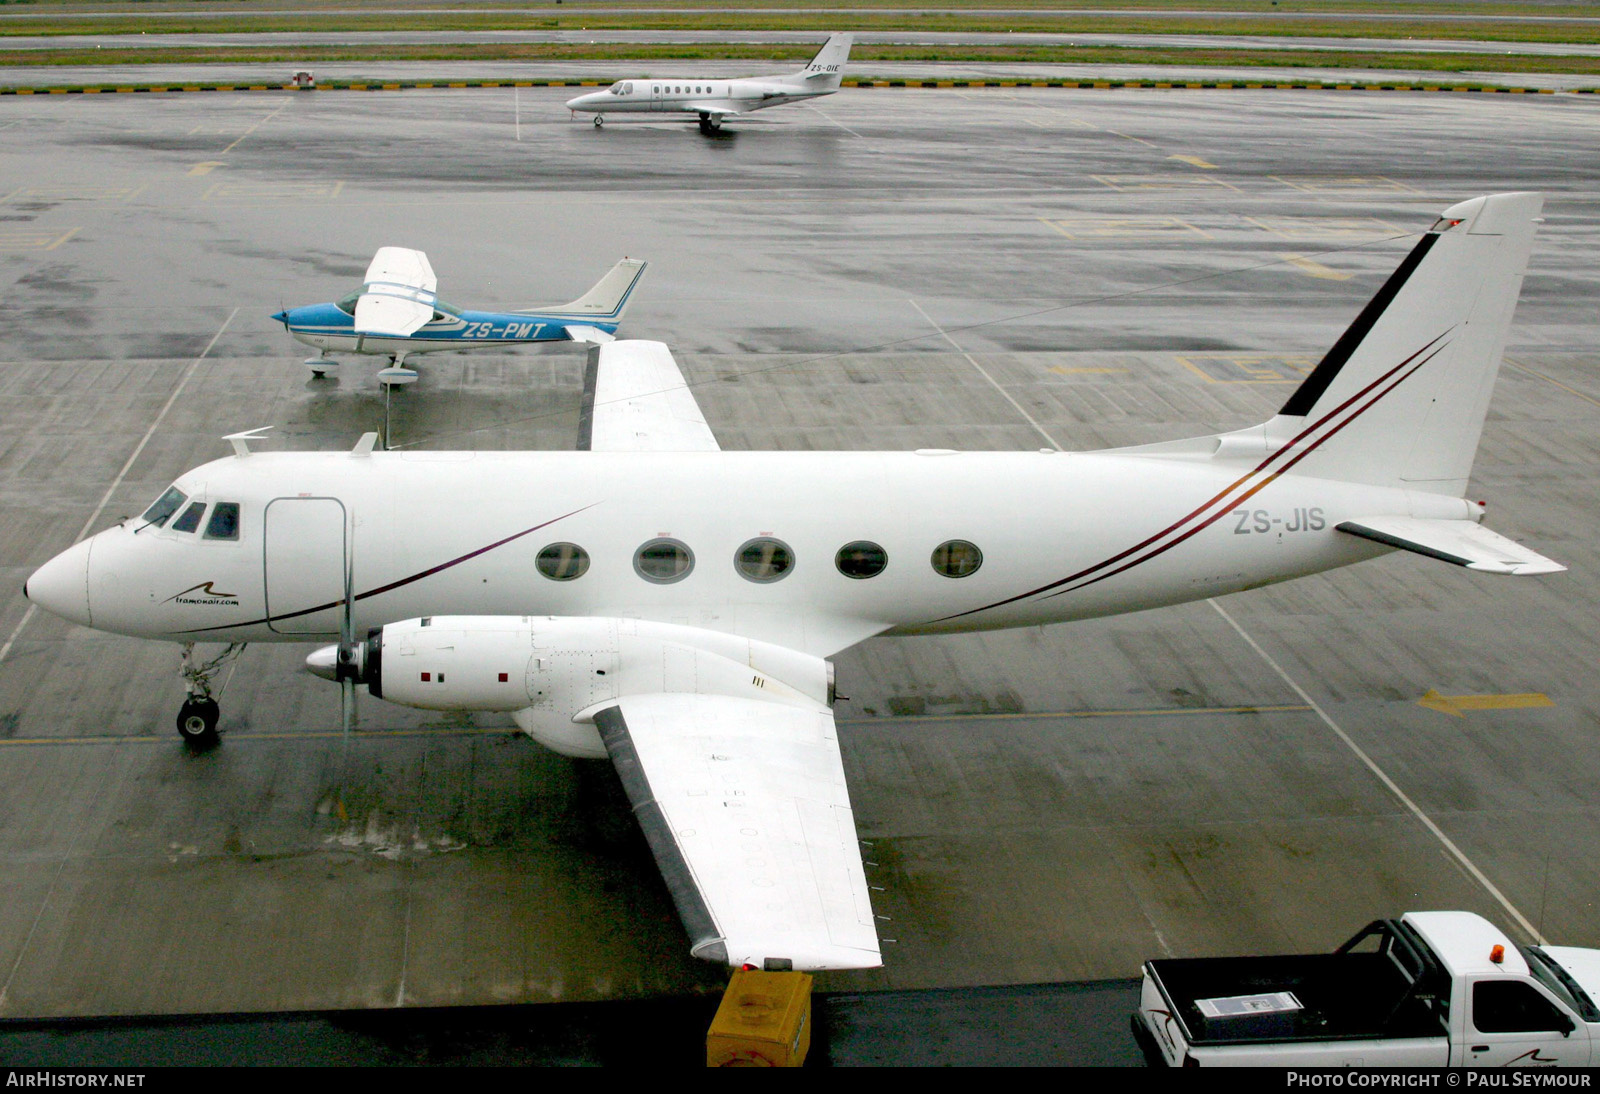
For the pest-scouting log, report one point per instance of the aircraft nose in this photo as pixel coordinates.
(282, 316)
(581, 100)
(61, 586)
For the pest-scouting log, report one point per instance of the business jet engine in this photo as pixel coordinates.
(552, 674)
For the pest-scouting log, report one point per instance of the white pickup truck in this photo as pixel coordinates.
(1431, 989)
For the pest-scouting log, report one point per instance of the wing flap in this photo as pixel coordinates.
(399, 294)
(745, 806)
(1461, 542)
(636, 400)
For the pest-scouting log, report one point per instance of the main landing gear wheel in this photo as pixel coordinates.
(319, 367)
(599, 120)
(197, 722)
(709, 124)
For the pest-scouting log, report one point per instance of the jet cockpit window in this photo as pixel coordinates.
(347, 304)
(190, 519)
(224, 522)
(166, 505)
(616, 88)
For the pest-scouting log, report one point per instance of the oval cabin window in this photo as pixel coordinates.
(956, 558)
(563, 561)
(764, 559)
(861, 559)
(663, 561)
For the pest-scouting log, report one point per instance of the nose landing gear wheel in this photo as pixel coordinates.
(197, 722)
(599, 120)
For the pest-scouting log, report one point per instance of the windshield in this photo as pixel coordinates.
(443, 309)
(1561, 985)
(347, 304)
(166, 505)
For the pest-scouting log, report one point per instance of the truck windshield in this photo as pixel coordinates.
(1561, 985)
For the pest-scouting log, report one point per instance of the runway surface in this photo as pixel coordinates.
(891, 269)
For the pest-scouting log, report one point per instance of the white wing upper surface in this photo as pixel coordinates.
(635, 400)
(399, 294)
(746, 810)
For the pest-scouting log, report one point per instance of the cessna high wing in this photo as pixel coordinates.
(397, 312)
(714, 100)
(655, 600)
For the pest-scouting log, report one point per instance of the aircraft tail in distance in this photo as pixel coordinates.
(824, 71)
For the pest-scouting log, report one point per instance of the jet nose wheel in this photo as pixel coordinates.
(197, 722)
(599, 120)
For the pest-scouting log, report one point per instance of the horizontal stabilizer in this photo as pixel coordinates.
(594, 335)
(1459, 541)
(745, 807)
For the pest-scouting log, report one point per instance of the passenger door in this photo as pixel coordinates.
(306, 552)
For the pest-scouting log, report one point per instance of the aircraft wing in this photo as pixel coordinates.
(744, 804)
(398, 297)
(1462, 542)
(636, 400)
(719, 109)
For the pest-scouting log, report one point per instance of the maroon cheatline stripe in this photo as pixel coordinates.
(1227, 490)
(396, 584)
(1246, 496)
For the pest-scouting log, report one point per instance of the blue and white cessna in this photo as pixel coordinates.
(397, 313)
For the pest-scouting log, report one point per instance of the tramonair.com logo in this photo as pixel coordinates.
(203, 594)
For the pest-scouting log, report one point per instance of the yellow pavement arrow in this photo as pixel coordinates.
(1194, 161)
(206, 168)
(1314, 268)
(1457, 705)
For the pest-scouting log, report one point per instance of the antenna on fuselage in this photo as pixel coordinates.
(241, 441)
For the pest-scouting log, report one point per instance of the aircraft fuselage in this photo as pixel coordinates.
(330, 328)
(1040, 538)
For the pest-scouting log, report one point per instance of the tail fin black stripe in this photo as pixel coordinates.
(1306, 395)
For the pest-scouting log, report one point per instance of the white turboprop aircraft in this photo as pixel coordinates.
(656, 600)
(714, 100)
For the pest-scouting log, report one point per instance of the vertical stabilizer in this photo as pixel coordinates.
(1401, 397)
(823, 72)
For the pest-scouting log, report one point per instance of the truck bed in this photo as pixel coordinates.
(1344, 996)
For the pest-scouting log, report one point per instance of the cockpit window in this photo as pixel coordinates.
(190, 519)
(224, 522)
(347, 304)
(616, 88)
(443, 309)
(166, 505)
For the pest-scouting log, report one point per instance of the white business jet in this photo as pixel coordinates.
(713, 100)
(655, 600)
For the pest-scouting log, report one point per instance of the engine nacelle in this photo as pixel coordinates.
(553, 673)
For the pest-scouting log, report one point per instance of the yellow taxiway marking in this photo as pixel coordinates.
(1324, 228)
(1457, 705)
(206, 168)
(1557, 383)
(1312, 268)
(1160, 182)
(1122, 227)
(1247, 368)
(1194, 161)
(1336, 183)
(1064, 371)
(34, 239)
